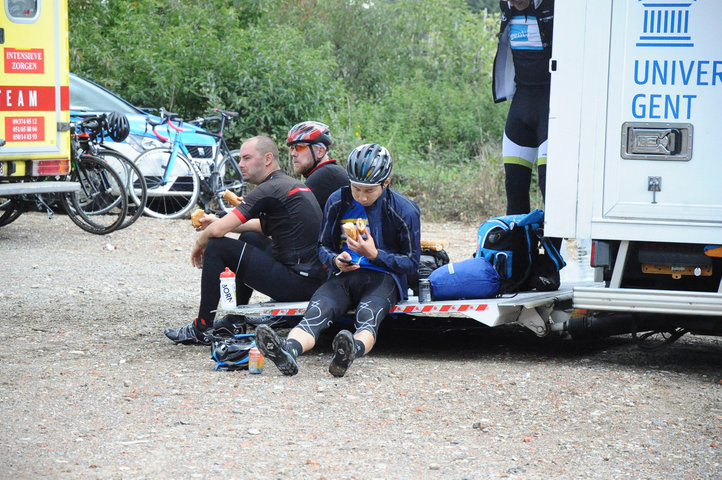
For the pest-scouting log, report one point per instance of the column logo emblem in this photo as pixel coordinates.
(666, 23)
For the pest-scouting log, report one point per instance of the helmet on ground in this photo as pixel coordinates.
(232, 353)
(309, 132)
(369, 164)
(117, 125)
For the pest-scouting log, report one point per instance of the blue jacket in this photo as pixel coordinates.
(399, 244)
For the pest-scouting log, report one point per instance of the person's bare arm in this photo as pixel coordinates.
(216, 229)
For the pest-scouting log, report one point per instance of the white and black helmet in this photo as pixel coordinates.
(369, 164)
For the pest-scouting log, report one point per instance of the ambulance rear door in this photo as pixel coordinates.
(34, 111)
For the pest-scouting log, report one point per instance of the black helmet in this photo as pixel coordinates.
(116, 124)
(369, 164)
(232, 353)
(309, 132)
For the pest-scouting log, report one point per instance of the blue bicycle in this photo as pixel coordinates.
(177, 181)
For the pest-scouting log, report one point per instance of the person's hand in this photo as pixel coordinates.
(197, 255)
(364, 246)
(345, 266)
(206, 220)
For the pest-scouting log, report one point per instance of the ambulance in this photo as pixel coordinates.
(34, 113)
(635, 160)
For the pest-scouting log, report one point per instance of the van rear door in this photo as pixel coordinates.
(665, 93)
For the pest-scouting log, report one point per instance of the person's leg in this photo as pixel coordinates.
(378, 293)
(323, 308)
(517, 183)
(519, 152)
(219, 253)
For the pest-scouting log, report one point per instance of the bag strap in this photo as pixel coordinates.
(550, 249)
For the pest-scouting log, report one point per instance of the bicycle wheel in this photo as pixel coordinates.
(134, 183)
(171, 193)
(101, 204)
(10, 210)
(229, 178)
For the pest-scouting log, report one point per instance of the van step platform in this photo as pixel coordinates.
(534, 310)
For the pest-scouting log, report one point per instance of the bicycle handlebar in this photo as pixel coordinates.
(167, 118)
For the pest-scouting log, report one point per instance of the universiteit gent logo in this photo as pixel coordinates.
(666, 23)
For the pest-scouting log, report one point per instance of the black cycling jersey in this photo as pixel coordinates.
(289, 214)
(326, 178)
(524, 49)
(529, 51)
(290, 269)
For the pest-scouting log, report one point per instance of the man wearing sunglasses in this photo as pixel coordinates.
(309, 142)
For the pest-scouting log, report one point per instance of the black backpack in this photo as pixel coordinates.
(431, 259)
(524, 259)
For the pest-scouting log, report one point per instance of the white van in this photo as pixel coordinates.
(635, 160)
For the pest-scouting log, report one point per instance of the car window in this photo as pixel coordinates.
(88, 97)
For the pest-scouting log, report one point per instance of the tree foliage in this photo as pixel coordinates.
(412, 75)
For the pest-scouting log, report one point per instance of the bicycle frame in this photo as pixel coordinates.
(222, 170)
(176, 144)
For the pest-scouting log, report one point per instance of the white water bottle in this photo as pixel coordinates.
(228, 289)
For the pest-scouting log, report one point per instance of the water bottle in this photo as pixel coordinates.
(228, 290)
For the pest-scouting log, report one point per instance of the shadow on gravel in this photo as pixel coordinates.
(695, 355)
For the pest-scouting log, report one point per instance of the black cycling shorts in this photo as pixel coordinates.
(371, 292)
(255, 269)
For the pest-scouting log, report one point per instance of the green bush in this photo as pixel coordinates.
(414, 76)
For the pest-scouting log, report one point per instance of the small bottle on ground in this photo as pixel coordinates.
(255, 361)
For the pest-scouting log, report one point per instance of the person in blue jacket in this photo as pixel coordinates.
(368, 274)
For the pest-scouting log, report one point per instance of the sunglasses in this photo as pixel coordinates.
(299, 147)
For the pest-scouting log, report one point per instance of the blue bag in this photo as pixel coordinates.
(515, 245)
(471, 278)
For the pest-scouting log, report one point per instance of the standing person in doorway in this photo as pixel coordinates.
(521, 73)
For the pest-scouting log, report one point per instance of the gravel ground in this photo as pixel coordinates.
(90, 387)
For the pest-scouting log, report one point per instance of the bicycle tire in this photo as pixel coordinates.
(134, 183)
(10, 210)
(176, 197)
(100, 206)
(229, 178)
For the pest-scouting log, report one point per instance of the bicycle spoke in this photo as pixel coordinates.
(101, 203)
(172, 189)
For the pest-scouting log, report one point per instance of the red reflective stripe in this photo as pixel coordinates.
(325, 162)
(240, 216)
(37, 98)
(64, 98)
(299, 189)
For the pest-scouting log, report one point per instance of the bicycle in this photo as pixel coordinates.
(90, 140)
(101, 204)
(177, 182)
